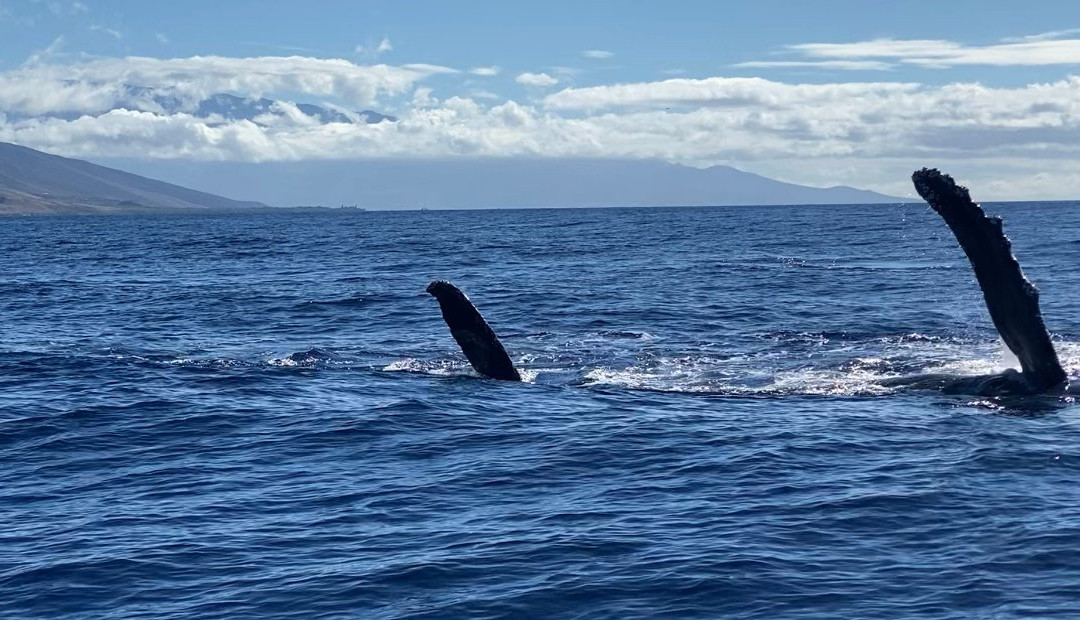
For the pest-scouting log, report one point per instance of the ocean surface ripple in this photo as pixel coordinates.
(263, 416)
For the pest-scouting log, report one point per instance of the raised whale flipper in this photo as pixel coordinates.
(472, 333)
(1012, 300)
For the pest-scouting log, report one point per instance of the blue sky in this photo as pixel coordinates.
(820, 93)
(647, 40)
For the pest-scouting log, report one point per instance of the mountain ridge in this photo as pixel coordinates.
(33, 181)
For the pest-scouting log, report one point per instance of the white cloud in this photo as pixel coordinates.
(485, 71)
(598, 54)
(422, 98)
(536, 79)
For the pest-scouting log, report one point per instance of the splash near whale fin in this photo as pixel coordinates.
(473, 334)
(1012, 300)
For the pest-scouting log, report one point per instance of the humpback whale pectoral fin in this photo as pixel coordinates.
(473, 334)
(482, 354)
(1012, 300)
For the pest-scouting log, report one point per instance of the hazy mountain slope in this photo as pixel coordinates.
(31, 180)
(492, 183)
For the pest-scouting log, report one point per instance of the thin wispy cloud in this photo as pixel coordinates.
(161, 38)
(20, 17)
(485, 71)
(298, 49)
(844, 65)
(565, 72)
(484, 94)
(598, 54)
(374, 50)
(1051, 48)
(61, 9)
(50, 52)
(427, 69)
(536, 79)
(112, 32)
(1043, 36)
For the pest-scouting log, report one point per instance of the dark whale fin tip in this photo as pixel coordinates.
(1012, 300)
(473, 334)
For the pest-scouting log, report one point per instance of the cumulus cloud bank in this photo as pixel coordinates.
(100, 85)
(869, 134)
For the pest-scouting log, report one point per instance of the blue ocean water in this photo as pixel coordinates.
(264, 416)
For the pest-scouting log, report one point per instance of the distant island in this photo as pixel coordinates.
(33, 182)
